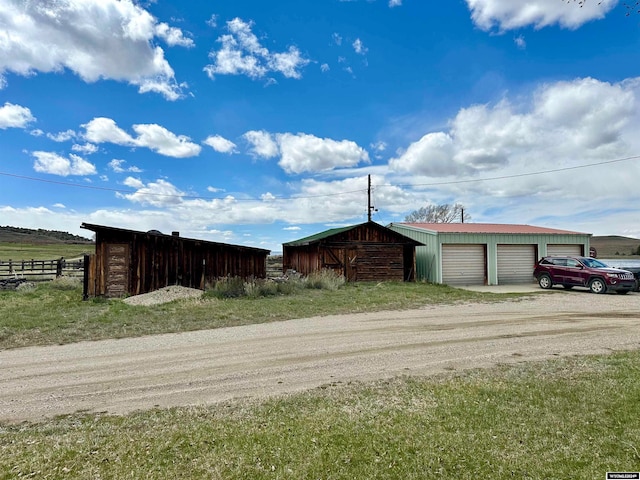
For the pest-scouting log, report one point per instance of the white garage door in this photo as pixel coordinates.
(516, 264)
(557, 249)
(463, 264)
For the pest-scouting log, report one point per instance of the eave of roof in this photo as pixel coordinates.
(491, 228)
(103, 228)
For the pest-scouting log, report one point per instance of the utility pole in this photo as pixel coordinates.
(370, 208)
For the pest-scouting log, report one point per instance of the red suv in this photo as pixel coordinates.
(583, 272)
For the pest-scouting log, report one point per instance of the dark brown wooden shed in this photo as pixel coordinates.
(127, 262)
(365, 252)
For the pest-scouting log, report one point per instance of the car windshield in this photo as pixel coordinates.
(593, 263)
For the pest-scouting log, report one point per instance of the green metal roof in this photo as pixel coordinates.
(318, 236)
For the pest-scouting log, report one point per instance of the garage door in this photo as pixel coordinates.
(557, 249)
(463, 264)
(515, 264)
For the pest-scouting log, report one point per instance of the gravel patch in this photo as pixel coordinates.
(164, 295)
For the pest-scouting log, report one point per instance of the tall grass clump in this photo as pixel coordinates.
(324, 279)
(236, 287)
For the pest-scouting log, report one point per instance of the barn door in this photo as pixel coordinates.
(117, 270)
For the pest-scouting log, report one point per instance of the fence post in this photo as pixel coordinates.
(59, 265)
(85, 281)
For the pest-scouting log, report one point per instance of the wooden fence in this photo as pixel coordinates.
(41, 269)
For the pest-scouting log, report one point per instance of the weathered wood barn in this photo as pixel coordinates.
(127, 262)
(365, 252)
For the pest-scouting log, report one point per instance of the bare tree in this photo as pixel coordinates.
(445, 213)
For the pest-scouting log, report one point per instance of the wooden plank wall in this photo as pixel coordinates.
(157, 261)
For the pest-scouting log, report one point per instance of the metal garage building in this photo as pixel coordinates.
(486, 254)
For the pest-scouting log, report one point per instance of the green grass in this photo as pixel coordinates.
(54, 312)
(568, 418)
(27, 251)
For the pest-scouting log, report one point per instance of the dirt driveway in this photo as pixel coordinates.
(204, 367)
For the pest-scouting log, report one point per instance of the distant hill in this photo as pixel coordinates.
(613, 246)
(39, 236)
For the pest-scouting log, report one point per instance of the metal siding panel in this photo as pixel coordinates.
(557, 249)
(516, 264)
(463, 264)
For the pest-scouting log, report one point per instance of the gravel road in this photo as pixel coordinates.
(205, 367)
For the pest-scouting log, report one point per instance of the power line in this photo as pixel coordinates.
(432, 184)
(515, 175)
(168, 195)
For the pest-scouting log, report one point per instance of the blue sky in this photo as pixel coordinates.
(257, 123)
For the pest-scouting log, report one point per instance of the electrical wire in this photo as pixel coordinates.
(431, 184)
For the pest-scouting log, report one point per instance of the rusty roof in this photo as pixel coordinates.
(496, 228)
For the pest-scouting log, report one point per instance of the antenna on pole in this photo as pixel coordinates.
(370, 208)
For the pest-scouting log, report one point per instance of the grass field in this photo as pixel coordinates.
(54, 312)
(569, 418)
(28, 251)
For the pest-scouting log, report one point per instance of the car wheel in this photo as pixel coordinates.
(597, 285)
(544, 281)
(567, 287)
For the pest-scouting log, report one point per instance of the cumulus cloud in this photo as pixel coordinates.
(95, 39)
(564, 124)
(242, 54)
(152, 136)
(62, 136)
(509, 15)
(308, 153)
(54, 164)
(305, 153)
(15, 116)
(262, 144)
(157, 194)
(220, 144)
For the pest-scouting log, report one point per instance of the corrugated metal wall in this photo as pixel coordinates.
(429, 261)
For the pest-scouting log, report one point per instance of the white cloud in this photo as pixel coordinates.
(262, 144)
(157, 194)
(95, 39)
(308, 153)
(101, 130)
(325, 67)
(48, 162)
(305, 153)
(520, 42)
(161, 140)
(359, 47)
(173, 36)
(87, 148)
(395, 3)
(242, 54)
(509, 14)
(15, 116)
(336, 38)
(564, 125)
(118, 166)
(220, 144)
(152, 136)
(291, 229)
(62, 136)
